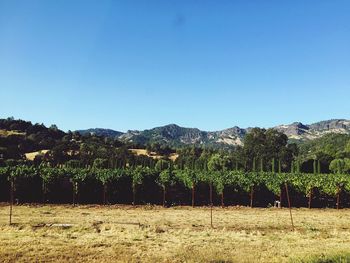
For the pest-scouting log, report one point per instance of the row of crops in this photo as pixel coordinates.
(331, 185)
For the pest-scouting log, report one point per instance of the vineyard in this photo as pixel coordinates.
(169, 185)
(175, 131)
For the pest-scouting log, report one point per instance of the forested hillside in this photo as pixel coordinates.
(18, 137)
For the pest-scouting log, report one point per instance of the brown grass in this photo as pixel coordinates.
(31, 156)
(179, 234)
(153, 155)
(5, 133)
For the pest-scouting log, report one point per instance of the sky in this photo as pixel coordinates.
(206, 64)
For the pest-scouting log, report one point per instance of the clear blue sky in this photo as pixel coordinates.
(206, 64)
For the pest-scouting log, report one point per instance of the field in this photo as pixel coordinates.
(180, 234)
(153, 155)
(6, 133)
(31, 156)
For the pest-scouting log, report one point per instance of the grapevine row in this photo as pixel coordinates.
(328, 184)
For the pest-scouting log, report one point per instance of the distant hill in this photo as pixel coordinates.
(101, 132)
(299, 131)
(174, 135)
(18, 137)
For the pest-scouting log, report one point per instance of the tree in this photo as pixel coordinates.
(337, 166)
(347, 147)
(268, 144)
(218, 162)
(53, 127)
(340, 165)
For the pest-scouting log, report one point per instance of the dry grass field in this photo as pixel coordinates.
(153, 155)
(179, 234)
(5, 133)
(31, 156)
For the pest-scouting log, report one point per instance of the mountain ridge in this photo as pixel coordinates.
(175, 135)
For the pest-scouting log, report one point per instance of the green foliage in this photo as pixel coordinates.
(162, 165)
(22, 171)
(49, 174)
(261, 144)
(166, 177)
(332, 144)
(77, 175)
(219, 179)
(137, 174)
(100, 163)
(4, 171)
(106, 176)
(340, 165)
(188, 177)
(242, 180)
(274, 181)
(218, 162)
(73, 164)
(217, 175)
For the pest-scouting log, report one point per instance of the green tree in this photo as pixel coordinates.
(265, 145)
(337, 166)
(340, 165)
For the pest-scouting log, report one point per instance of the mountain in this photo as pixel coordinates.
(298, 131)
(170, 134)
(174, 135)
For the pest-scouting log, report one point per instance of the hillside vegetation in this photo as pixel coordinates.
(18, 138)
